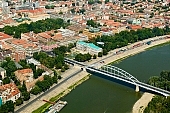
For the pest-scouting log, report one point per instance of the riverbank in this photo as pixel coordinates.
(142, 103)
(44, 107)
(112, 57)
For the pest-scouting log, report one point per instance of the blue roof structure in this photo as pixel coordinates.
(0, 101)
(90, 45)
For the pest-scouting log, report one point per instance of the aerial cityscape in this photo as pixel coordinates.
(84, 56)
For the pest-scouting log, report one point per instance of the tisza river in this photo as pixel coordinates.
(98, 95)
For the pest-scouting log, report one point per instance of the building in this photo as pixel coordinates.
(91, 34)
(4, 54)
(88, 47)
(25, 75)
(2, 73)
(23, 45)
(33, 61)
(19, 55)
(4, 37)
(9, 92)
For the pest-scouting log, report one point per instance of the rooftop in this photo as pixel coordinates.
(91, 45)
(4, 36)
(2, 69)
(11, 90)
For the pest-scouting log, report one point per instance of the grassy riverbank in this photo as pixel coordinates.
(119, 60)
(160, 45)
(44, 107)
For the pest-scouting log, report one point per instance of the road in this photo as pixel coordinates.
(48, 91)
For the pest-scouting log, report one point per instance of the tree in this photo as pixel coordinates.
(24, 88)
(23, 63)
(82, 11)
(60, 12)
(17, 34)
(55, 79)
(6, 80)
(19, 101)
(100, 54)
(36, 90)
(158, 104)
(8, 59)
(59, 65)
(73, 4)
(66, 66)
(94, 56)
(62, 69)
(49, 79)
(9, 30)
(91, 23)
(38, 73)
(10, 106)
(26, 95)
(72, 11)
(59, 77)
(105, 52)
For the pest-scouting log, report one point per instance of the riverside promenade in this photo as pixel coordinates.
(62, 87)
(107, 59)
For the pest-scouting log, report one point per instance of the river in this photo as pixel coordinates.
(97, 95)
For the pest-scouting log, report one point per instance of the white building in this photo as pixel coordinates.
(9, 92)
(2, 72)
(67, 32)
(88, 47)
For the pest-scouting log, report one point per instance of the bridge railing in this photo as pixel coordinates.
(119, 72)
(153, 87)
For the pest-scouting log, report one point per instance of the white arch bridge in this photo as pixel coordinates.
(119, 74)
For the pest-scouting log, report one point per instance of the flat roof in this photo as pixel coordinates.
(91, 45)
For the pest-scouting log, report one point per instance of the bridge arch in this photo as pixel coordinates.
(119, 72)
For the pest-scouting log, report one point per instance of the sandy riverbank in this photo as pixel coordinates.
(142, 103)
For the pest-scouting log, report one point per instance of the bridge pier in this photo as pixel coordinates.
(137, 88)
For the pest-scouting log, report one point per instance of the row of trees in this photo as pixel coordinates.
(125, 37)
(10, 67)
(44, 85)
(50, 62)
(8, 107)
(83, 57)
(55, 61)
(162, 81)
(159, 104)
(36, 27)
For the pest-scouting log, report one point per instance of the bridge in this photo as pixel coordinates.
(119, 74)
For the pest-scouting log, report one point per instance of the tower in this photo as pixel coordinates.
(103, 4)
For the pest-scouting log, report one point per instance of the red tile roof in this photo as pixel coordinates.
(44, 35)
(4, 36)
(13, 89)
(23, 71)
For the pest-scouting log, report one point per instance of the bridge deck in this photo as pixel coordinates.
(120, 74)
